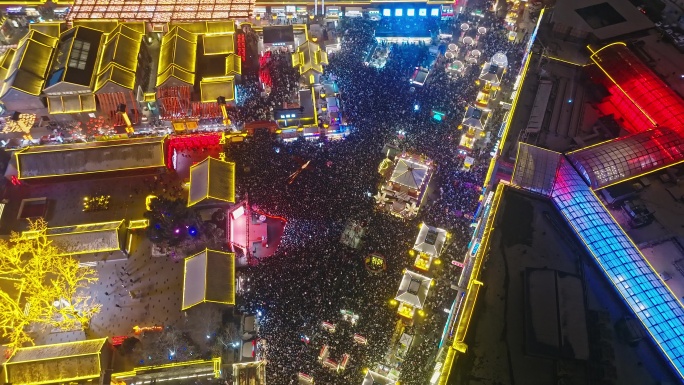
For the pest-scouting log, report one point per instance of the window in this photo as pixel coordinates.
(79, 54)
(434, 12)
(387, 12)
(398, 12)
(422, 12)
(410, 12)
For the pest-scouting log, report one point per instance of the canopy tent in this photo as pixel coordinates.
(24, 70)
(59, 363)
(71, 104)
(430, 240)
(413, 289)
(500, 59)
(209, 277)
(410, 173)
(212, 179)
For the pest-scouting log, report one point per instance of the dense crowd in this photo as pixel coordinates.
(313, 275)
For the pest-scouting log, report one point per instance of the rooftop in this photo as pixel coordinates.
(25, 75)
(409, 172)
(430, 240)
(85, 158)
(70, 361)
(212, 179)
(209, 277)
(620, 260)
(161, 11)
(506, 347)
(413, 289)
(76, 56)
(605, 19)
(309, 56)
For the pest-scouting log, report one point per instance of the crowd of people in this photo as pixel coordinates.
(312, 275)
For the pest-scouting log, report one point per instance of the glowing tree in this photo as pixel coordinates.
(50, 289)
(171, 222)
(20, 123)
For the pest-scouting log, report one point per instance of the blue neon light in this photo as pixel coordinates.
(636, 281)
(447, 325)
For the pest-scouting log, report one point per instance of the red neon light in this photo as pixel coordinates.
(118, 340)
(650, 94)
(190, 142)
(242, 49)
(264, 71)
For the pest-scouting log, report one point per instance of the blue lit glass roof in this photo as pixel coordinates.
(643, 291)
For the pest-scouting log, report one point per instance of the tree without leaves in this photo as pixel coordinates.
(171, 344)
(44, 277)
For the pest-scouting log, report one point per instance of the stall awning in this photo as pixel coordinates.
(71, 104)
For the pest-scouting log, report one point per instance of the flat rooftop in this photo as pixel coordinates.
(161, 11)
(662, 241)
(530, 236)
(605, 19)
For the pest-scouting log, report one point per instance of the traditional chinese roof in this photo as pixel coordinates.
(58, 363)
(212, 179)
(93, 157)
(409, 172)
(29, 65)
(76, 57)
(309, 57)
(212, 88)
(430, 240)
(161, 11)
(119, 59)
(70, 104)
(209, 277)
(86, 238)
(413, 289)
(177, 56)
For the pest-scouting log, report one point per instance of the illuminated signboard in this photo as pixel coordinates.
(242, 49)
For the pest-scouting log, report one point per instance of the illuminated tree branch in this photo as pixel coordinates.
(52, 287)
